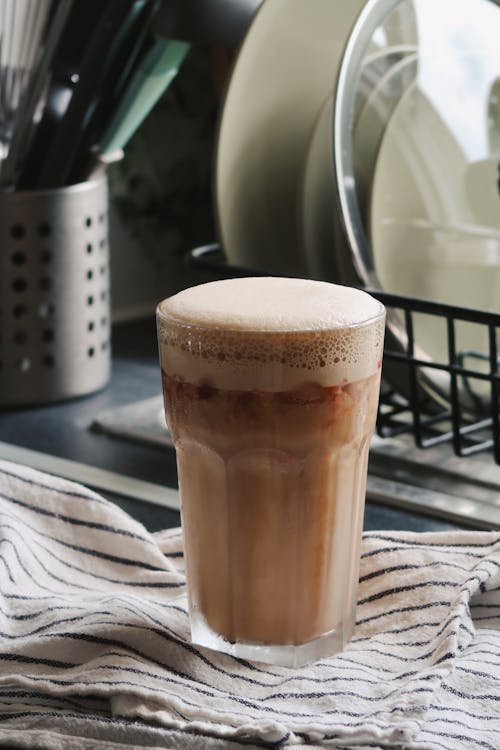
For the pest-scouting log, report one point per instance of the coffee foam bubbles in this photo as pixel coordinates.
(270, 334)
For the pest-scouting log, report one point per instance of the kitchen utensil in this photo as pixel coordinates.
(68, 58)
(153, 74)
(22, 26)
(36, 96)
(106, 47)
(122, 70)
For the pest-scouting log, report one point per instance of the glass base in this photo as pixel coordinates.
(284, 656)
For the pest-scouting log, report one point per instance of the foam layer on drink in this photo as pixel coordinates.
(270, 334)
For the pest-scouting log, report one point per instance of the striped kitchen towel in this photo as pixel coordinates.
(95, 651)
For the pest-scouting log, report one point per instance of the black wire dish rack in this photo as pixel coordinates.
(455, 400)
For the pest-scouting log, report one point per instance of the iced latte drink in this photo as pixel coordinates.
(271, 389)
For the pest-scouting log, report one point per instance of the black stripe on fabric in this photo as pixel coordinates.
(350, 693)
(470, 696)
(22, 659)
(34, 615)
(470, 633)
(25, 569)
(395, 644)
(471, 741)
(406, 659)
(447, 709)
(415, 626)
(76, 521)
(401, 610)
(345, 657)
(7, 567)
(477, 646)
(476, 649)
(406, 548)
(411, 566)
(26, 598)
(350, 663)
(466, 661)
(409, 587)
(477, 672)
(432, 545)
(455, 721)
(41, 628)
(84, 550)
(89, 495)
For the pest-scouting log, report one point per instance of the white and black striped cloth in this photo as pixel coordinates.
(95, 651)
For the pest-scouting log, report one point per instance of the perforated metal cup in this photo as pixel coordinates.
(54, 294)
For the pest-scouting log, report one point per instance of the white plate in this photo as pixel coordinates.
(286, 66)
(393, 40)
(317, 205)
(317, 201)
(370, 125)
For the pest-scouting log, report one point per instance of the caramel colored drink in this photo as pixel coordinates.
(271, 391)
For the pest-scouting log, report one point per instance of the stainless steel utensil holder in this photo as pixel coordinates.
(54, 294)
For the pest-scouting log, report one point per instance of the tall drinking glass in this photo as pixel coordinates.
(271, 391)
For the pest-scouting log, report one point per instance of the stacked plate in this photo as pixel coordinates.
(360, 142)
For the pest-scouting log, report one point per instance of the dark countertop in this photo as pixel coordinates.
(64, 430)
